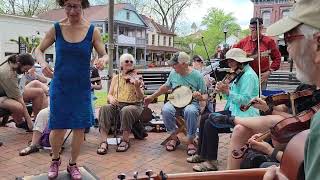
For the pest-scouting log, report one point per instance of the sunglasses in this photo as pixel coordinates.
(127, 61)
(199, 60)
(290, 37)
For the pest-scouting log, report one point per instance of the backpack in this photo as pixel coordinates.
(138, 130)
(44, 140)
(253, 159)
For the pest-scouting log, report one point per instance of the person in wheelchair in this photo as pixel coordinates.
(125, 106)
(239, 87)
(182, 75)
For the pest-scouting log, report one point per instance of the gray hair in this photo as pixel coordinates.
(308, 31)
(127, 56)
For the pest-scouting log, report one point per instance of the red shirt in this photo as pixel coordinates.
(266, 44)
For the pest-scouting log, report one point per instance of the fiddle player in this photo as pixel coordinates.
(301, 29)
(245, 127)
(182, 75)
(125, 106)
(243, 87)
(268, 49)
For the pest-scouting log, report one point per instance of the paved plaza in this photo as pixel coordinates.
(142, 155)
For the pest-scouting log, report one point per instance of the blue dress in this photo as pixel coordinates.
(70, 95)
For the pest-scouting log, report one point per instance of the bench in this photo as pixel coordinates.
(153, 80)
(283, 80)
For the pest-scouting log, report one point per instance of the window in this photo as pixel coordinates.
(285, 12)
(158, 40)
(169, 41)
(147, 40)
(266, 16)
(153, 37)
(164, 40)
(128, 15)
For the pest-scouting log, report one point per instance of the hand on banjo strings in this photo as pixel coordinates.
(197, 95)
(148, 100)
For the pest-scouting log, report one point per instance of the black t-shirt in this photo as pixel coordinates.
(95, 77)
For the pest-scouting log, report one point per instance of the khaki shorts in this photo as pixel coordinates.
(41, 121)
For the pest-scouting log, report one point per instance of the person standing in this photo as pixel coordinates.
(70, 87)
(268, 49)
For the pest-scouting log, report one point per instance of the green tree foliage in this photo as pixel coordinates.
(105, 38)
(215, 21)
(31, 43)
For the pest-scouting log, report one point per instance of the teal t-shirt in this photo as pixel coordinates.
(194, 80)
(312, 150)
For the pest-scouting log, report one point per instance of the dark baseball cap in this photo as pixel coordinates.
(255, 19)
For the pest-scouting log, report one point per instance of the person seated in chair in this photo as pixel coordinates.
(198, 64)
(239, 88)
(10, 95)
(182, 75)
(34, 89)
(245, 127)
(40, 124)
(125, 106)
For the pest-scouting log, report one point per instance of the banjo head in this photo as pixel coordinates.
(181, 96)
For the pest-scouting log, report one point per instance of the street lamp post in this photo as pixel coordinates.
(225, 31)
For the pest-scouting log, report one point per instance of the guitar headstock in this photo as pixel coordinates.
(149, 175)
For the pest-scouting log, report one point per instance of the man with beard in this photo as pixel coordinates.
(10, 95)
(301, 31)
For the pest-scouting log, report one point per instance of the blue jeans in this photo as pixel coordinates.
(190, 113)
(93, 98)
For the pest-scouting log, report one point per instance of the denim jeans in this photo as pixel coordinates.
(209, 135)
(190, 113)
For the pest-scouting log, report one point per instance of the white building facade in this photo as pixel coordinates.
(11, 27)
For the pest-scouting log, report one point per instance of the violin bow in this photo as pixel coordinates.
(259, 57)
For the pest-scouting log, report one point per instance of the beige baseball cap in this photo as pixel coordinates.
(303, 12)
(238, 55)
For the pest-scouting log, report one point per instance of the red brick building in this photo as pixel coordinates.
(271, 10)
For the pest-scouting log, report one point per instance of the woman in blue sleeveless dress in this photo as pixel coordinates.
(70, 95)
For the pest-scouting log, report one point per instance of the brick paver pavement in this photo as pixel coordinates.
(142, 155)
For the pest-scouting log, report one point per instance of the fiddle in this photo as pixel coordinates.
(131, 75)
(229, 78)
(282, 98)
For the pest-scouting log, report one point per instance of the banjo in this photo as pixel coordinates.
(180, 97)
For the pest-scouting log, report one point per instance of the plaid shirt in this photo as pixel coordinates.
(266, 44)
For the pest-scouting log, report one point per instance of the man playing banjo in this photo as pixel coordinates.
(182, 76)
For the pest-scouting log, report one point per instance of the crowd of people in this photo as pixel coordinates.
(75, 74)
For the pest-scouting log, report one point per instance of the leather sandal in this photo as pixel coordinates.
(202, 167)
(123, 144)
(191, 150)
(172, 146)
(102, 150)
(28, 150)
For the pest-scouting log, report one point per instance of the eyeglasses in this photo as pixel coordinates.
(127, 61)
(76, 7)
(254, 27)
(290, 37)
(199, 60)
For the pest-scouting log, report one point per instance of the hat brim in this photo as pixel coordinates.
(240, 59)
(282, 26)
(172, 62)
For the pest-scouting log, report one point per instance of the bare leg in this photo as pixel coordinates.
(38, 84)
(37, 96)
(14, 107)
(36, 135)
(77, 140)
(259, 123)
(56, 140)
(239, 138)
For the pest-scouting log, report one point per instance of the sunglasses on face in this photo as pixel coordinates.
(199, 60)
(76, 7)
(128, 61)
(291, 37)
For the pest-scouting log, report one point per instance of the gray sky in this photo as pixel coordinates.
(241, 9)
